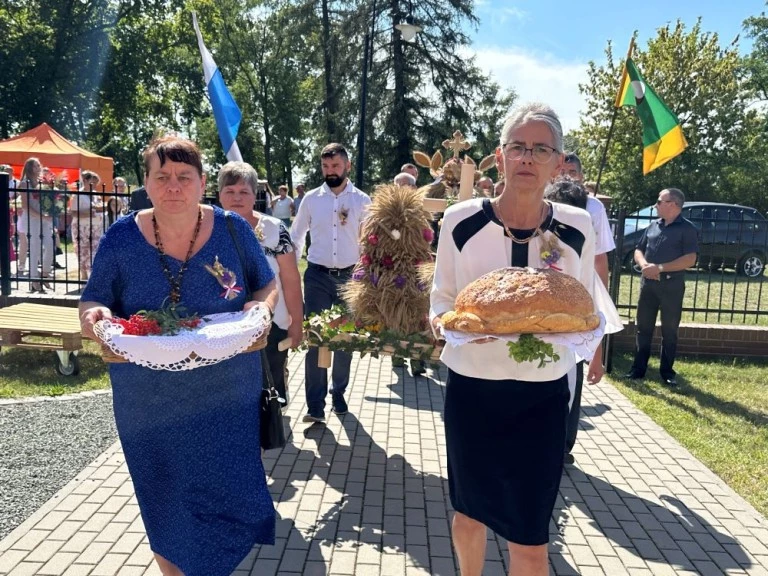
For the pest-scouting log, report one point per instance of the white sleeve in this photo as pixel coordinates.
(444, 286)
(300, 227)
(604, 235)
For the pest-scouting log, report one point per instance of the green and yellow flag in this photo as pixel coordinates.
(662, 136)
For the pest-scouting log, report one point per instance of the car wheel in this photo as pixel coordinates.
(751, 265)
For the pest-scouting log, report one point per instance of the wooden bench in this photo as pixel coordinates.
(20, 321)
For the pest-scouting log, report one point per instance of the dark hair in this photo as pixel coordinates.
(573, 158)
(333, 149)
(175, 149)
(567, 191)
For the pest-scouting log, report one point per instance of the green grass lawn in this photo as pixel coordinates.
(25, 372)
(719, 412)
(719, 290)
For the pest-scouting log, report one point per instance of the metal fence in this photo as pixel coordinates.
(728, 283)
(727, 286)
(48, 236)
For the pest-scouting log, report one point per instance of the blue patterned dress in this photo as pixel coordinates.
(191, 438)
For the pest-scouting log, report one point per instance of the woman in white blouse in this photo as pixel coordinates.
(238, 183)
(505, 421)
(87, 222)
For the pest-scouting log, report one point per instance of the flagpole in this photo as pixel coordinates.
(613, 120)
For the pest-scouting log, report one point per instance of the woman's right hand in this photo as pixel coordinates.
(89, 317)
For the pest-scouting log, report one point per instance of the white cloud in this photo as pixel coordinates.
(539, 77)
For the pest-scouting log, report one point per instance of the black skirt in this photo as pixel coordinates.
(506, 440)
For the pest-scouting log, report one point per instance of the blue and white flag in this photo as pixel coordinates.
(225, 109)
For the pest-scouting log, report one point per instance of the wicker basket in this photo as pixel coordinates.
(111, 358)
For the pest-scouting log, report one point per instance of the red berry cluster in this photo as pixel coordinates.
(138, 325)
(141, 325)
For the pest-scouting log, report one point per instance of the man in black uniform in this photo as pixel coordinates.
(667, 248)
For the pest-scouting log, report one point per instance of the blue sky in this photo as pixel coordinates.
(541, 49)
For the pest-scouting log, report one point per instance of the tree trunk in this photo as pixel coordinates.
(330, 95)
(400, 112)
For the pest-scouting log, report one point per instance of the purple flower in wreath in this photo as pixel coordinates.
(374, 279)
(421, 286)
(399, 281)
(358, 274)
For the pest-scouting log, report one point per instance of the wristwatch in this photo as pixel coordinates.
(661, 267)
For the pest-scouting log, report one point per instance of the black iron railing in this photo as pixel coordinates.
(728, 283)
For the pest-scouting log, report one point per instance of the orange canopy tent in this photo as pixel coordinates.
(55, 152)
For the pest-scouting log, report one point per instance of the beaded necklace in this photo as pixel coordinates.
(175, 281)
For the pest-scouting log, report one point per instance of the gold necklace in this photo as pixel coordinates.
(537, 232)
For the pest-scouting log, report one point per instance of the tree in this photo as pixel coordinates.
(700, 82)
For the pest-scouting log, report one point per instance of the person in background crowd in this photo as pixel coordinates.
(667, 248)
(603, 245)
(491, 400)
(237, 183)
(412, 170)
(485, 185)
(299, 197)
(405, 179)
(498, 188)
(140, 200)
(87, 222)
(38, 224)
(114, 204)
(190, 438)
(6, 169)
(282, 206)
(333, 214)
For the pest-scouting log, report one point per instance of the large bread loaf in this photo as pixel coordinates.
(523, 300)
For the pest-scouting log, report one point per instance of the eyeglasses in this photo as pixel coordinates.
(541, 153)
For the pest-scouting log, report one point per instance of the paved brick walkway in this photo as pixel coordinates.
(367, 495)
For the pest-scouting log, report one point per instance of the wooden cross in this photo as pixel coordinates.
(457, 144)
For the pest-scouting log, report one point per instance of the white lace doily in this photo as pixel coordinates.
(219, 337)
(583, 344)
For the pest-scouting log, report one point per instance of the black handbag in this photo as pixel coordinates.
(272, 430)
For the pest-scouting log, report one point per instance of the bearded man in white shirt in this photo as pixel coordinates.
(332, 214)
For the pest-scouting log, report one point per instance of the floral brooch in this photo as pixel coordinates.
(226, 278)
(343, 215)
(550, 252)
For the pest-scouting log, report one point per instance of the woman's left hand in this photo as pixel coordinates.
(596, 369)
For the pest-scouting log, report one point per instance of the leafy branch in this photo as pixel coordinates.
(529, 348)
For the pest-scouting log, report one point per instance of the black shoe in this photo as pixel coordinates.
(58, 251)
(670, 381)
(339, 406)
(309, 418)
(569, 459)
(58, 266)
(633, 376)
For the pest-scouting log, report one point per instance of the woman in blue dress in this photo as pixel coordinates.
(190, 438)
